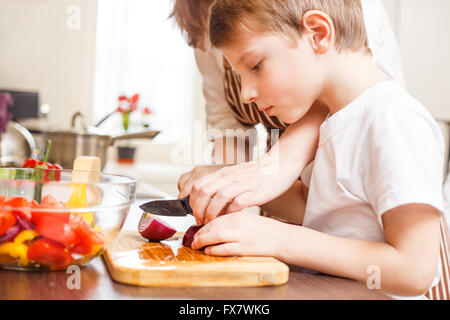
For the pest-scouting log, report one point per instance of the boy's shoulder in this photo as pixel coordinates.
(391, 101)
(395, 115)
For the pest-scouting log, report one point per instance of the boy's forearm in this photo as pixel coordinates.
(297, 146)
(348, 258)
(290, 206)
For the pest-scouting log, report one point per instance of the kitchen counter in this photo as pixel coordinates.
(95, 283)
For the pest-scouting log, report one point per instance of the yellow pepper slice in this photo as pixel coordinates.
(18, 249)
(78, 199)
(15, 250)
(25, 235)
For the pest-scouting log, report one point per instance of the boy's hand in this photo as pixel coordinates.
(235, 188)
(241, 186)
(240, 234)
(255, 183)
(187, 179)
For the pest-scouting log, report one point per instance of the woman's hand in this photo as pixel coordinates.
(240, 234)
(187, 179)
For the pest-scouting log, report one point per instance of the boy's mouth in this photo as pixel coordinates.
(267, 110)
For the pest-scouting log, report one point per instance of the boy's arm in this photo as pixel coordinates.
(290, 206)
(229, 155)
(234, 188)
(407, 262)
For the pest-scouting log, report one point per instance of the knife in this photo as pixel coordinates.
(171, 208)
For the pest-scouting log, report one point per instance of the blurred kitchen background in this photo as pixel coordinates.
(63, 57)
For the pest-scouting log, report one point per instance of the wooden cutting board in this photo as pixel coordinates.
(131, 259)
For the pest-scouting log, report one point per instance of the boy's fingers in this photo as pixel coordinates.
(220, 235)
(242, 201)
(223, 198)
(223, 250)
(204, 191)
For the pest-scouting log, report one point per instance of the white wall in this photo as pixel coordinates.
(39, 52)
(422, 32)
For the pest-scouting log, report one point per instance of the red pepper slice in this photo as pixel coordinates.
(86, 236)
(7, 220)
(49, 202)
(56, 230)
(22, 205)
(49, 253)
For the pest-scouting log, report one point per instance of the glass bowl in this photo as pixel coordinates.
(51, 219)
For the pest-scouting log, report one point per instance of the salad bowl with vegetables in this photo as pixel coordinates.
(49, 220)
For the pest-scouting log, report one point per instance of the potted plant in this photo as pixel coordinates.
(128, 105)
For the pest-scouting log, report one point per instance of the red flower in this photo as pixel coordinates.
(135, 98)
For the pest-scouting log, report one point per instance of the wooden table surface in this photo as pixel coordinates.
(95, 283)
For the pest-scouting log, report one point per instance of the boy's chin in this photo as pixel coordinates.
(291, 118)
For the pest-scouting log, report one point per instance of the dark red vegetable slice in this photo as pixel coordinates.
(7, 220)
(24, 223)
(154, 229)
(189, 235)
(50, 253)
(11, 233)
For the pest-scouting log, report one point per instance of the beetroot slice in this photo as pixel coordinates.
(189, 235)
(154, 229)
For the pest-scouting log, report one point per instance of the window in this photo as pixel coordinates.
(140, 50)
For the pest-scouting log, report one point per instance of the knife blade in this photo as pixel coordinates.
(170, 208)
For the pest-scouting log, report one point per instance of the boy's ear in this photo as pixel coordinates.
(320, 27)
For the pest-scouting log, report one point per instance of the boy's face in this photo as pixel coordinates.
(281, 75)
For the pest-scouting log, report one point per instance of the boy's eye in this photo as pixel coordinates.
(256, 67)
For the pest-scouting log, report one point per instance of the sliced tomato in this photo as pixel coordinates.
(2, 198)
(51, 203)
(7, 220)
(22, 205)
(56, 230)
(86, 237)
(49, 253)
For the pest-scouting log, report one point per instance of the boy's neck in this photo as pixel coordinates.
(350, 74)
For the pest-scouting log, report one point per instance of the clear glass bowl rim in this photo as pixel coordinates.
(130, 181)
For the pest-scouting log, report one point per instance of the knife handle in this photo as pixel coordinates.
(186, 205)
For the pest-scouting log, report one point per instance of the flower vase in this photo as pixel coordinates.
(126, 120)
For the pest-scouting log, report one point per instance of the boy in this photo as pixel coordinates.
(375, 194)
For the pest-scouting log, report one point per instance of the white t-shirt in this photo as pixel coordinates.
(382, 42)
(381, 151)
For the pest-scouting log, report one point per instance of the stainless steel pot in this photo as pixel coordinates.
(16, 144)
(69, 144)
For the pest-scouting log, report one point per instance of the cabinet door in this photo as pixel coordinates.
(423, 33)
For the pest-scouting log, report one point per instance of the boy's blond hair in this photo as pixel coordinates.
(285, 16)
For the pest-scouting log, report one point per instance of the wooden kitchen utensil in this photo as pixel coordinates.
(131, 259)
(86, 171)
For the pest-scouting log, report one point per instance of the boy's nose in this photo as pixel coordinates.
(248, 94)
